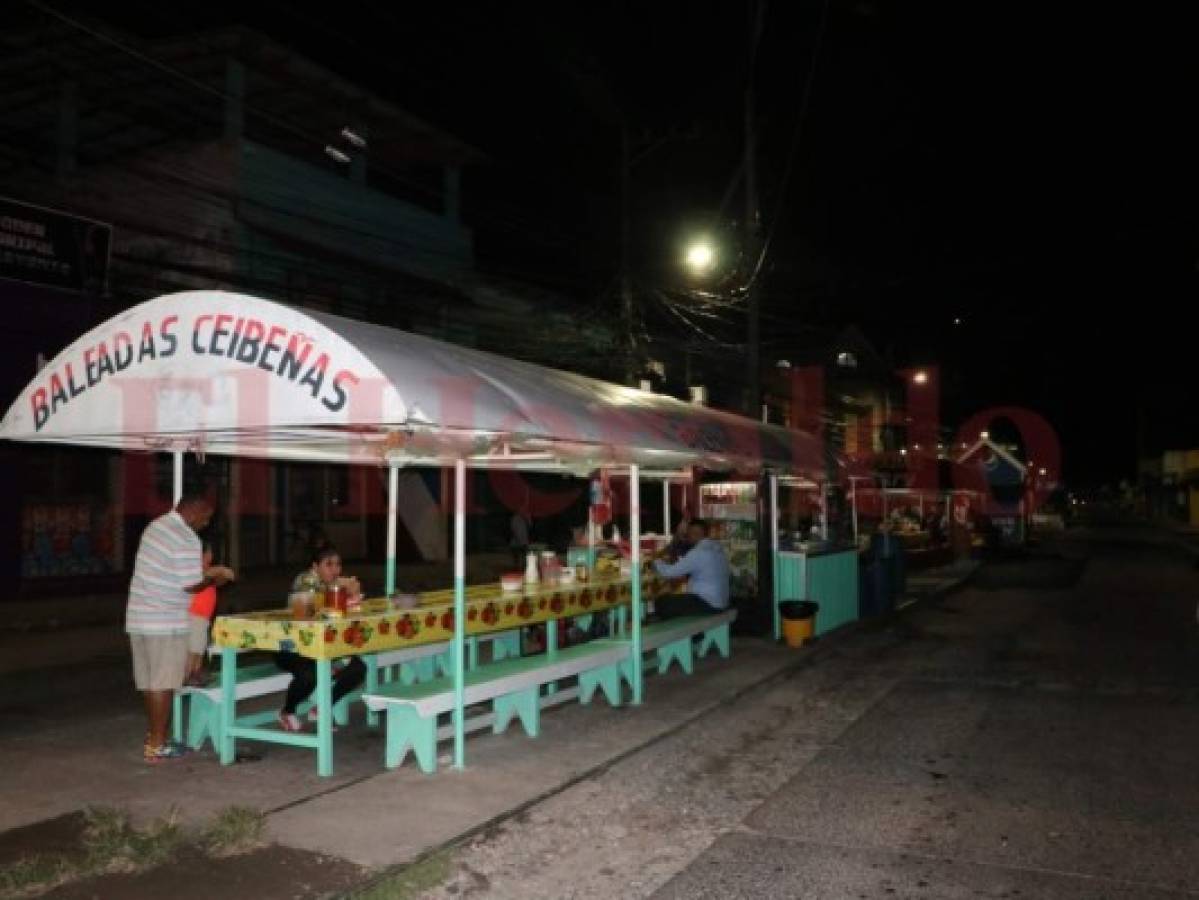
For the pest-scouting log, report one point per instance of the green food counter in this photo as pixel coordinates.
(826, 576)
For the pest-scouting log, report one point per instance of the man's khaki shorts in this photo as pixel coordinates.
(159, 661)
(197, 635)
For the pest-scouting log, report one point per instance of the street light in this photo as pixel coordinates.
(700, 257)
(920, 378)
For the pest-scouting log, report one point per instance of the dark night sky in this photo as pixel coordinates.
(1031, 172)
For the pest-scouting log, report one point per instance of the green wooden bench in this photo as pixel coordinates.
(425, 662)
(672, 641)
(204, 703)
(408, 665)
(513, 687)
(266, 678)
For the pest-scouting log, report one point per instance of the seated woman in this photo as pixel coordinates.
(325, 571)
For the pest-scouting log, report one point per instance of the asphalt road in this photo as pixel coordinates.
(1041, 740)
(1035, 735)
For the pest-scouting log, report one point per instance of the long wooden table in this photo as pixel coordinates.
(378, 627)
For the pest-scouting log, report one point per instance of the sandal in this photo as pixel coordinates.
(169, 750)
(290, 722)
(314, 717)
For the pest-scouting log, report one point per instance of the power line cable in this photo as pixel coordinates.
(793, 149)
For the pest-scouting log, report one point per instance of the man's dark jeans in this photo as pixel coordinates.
(674, 606)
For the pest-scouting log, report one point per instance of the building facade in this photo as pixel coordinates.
(227, 161)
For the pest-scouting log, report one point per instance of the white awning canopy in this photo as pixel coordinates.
(235, 375)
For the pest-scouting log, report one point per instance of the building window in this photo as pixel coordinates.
(847, 360)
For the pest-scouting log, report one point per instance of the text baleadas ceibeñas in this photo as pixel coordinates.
(272, 348)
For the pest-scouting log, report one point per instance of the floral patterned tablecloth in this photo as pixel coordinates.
(378, 626)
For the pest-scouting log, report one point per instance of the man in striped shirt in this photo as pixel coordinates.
(167, 571)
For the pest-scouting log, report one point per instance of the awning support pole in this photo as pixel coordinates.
(666, 507)
(393, 490)
(635, 541)
(459, 613)
(774, 553)
(177, 481)
(590, 537)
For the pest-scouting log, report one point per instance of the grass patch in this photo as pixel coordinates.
(236, 829)
(411, 880)
(33, 873)
(111, 844)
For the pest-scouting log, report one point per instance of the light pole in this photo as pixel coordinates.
(627, 309)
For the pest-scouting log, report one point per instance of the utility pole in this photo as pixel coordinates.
(753, 221)
(628, 318)
(631, 155)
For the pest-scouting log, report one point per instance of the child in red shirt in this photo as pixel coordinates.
(200, 614)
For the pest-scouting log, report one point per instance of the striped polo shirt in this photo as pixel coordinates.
(169, 560)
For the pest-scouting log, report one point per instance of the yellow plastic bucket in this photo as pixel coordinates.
(799, 621)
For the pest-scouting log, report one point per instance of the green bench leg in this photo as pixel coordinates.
(204, 720)
(625, 668)
(606, 678)
(372, 682)
(177, 718)
(506, 646)
(717, 638)
(227, 710)
(525, 704)
(676, 651)
(341, 709)
(551, 650)
(324, 725)
(423, 669)
(408, 729)
(588, 682)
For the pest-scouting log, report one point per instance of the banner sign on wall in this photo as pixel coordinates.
(54, 249)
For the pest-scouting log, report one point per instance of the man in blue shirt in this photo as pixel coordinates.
(707, 572)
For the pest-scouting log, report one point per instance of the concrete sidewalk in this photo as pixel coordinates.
(52, 751)
(364, 814)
